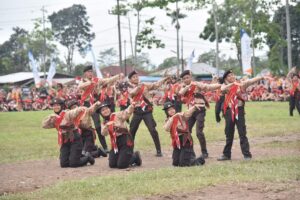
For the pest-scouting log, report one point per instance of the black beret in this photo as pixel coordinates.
(132, 73)
(168, 105)
(185, 72)
(226, 74)
(57, 101)
(102, 105)
(87, 68)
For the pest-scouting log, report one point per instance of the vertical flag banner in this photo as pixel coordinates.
(35, 71)
(246, 52)
(97, 69)
(51, 73)
(190, 61)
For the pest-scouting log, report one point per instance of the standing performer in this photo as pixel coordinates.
(66, 122)
(191, 92)
(91, 86)
(121, 154)
(143, 109)
(234, 113)
(182, 142)
(171, 93)
(123, 96)
(293, 79)
(85, 127)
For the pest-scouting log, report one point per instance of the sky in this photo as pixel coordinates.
(22, 13)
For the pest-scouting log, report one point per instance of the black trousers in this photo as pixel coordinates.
(124, 157)
(198, 117)
(295, 102)
(70, 153)
(229, 132)
(97, 123)
(218, 108)
(147, 117)
(185, 156)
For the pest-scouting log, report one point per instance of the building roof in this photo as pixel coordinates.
(24, 77)
(197, 69)
(113, 70)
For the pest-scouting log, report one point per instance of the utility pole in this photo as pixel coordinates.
(288, 29)
(182, 62)
(131, 44)
(44, 45)
(252, 40)
(215, 8)
(177, 31)
(119, 34)
(125, 58)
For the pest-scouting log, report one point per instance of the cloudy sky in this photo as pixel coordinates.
(22, 12)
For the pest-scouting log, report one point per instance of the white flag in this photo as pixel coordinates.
(246, 52)
(51, 72)
(95, 65)
(35, 71)
(190, 61)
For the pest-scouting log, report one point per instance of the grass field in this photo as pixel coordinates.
(22, 138)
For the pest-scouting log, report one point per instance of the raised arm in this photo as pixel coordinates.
(168, 124)
(93, 108)
(49, 121)
(184, 89)
(156, 85)
(208, 87)
(187, 114)
(125, 114)
(82, 85)
(110, 81)
(289, 76)
(251, 81)
(73, 114)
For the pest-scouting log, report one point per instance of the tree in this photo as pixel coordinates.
(13, 53)
(277, 39)
(107, 57)
(235, 15)
(208, 58)
(72, 29)
(168, 62)
(35, 44)
(144, 36)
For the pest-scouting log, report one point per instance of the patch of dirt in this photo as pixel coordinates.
(245, 191)
(32, 175)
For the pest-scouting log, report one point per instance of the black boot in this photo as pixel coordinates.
(138, 159)
(102, 152)
(223, 158)
(91, 159)
(200, 161)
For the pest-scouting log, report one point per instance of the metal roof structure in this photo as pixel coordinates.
(21, 78)
(197, 69)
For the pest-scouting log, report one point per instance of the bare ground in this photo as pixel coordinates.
(245, 191)
(32, 175)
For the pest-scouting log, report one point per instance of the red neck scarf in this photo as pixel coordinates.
(231, 98)
(174, 132)
(190, 94)
(89, 92)
(295, 85)
(58, 121)
(112, 133)
(124, 98)
(140, 98)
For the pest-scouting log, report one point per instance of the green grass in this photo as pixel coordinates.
(170, 180)
(22, 138)
(282, 144)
